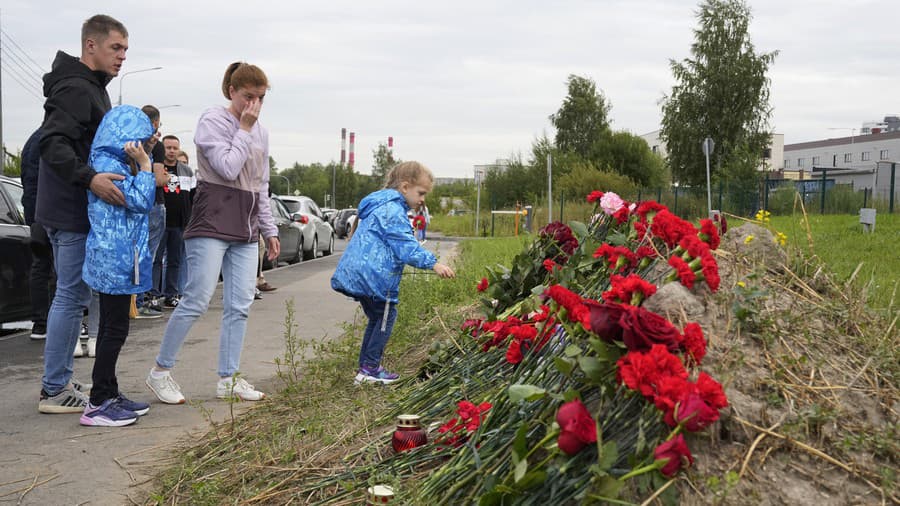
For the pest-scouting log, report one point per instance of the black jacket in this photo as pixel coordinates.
(76, 102)
(31, 156)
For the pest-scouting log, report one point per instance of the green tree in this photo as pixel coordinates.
(722, 92)
(383, 160)
(12, 164)
(582, 119)
(629, 155)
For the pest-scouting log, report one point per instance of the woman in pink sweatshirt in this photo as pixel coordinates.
(231, 208)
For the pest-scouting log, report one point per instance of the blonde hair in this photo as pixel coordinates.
(243, 75)
(408, 172)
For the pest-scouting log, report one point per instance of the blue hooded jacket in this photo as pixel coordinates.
(382, 244)
(117, 259)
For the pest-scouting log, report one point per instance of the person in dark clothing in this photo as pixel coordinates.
(42, 279)
(147, 304)
(77, 100)
(177, 195)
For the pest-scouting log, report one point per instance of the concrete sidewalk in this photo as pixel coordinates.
(51, 459)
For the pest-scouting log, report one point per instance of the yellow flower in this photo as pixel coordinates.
(781, 238)
(763, 216)
(749, 239)
(742, 284)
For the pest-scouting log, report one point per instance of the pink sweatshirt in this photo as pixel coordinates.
(232, 198)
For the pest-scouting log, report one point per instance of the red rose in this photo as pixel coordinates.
(549, 264)
(695, 413)
(693, 343)
(577, 428)
(605, 320)
(482, 285)
(641, 329)
(677, 453)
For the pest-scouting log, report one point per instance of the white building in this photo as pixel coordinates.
(861, 160)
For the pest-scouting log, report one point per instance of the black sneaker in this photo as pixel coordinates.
(39, 331)
(171, 302)
(154, 305)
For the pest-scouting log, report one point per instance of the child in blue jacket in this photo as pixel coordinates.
(117, 260)
(370, 269)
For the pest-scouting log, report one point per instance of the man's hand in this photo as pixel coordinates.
(274, 247)
(444, 271)
(103, 187)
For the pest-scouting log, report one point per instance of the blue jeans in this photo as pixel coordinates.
(64, 319)
(171, 248)
(375, 337)
(205, 258)
(157, 225)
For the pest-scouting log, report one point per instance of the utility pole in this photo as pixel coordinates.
(549, 189)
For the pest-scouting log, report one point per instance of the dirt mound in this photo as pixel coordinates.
(811, 378)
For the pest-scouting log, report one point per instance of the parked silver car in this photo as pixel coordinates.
(317, 232)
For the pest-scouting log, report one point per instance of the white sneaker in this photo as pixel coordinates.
(239, 389)
(79, 351)
(92, 347)
(165, 388)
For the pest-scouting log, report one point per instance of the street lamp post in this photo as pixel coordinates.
(132, 72)
(288, 181)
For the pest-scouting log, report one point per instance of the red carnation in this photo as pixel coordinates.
(670, 228)
(710, 270)
(482, 285)
(693, 343)
(709, 233)
(677, 453)
(711, 391)
(648, 209)
(685, 273)
(577, 428)
(549, 264)
(514, 352)
(594, 196)
(419, 222)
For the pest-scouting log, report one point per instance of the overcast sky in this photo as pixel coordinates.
(456, 84)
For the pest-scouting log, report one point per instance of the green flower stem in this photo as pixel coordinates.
(641, 470)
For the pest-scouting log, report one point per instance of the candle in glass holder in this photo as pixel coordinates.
(379, 494)
(409, 433)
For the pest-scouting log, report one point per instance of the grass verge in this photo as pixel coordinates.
(319, 416)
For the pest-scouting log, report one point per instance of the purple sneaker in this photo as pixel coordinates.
(139, 408)
(379, 375)
(108, 414)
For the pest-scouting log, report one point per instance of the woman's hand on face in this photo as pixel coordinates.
(136, 152)
(250, 114)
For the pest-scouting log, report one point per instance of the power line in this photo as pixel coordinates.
(28, 73)
(13, 42)
(17, 79)
(24, 64)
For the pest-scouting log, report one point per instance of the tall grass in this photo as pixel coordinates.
(871, 259)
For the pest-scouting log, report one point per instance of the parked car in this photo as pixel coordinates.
(329, 213)
(317, 233)
(289, 234)
(340, 222)
(15, 260)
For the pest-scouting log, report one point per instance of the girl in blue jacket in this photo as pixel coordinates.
(117, 259)
(370, 269)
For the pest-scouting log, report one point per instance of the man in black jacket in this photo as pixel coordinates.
(76, 102)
